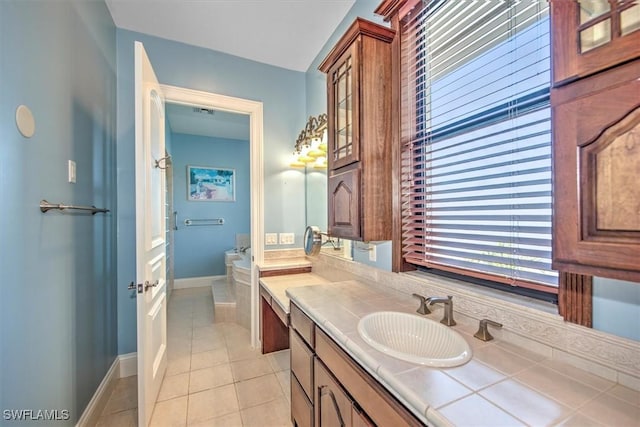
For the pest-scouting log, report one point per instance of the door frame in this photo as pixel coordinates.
(181, 95)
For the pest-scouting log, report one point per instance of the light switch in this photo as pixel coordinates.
(72, 172)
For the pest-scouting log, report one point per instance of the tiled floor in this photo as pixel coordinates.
(214, 377)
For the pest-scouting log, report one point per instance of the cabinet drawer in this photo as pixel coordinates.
(301, 362)
(301, 408)
(303, 325)
(377, 402)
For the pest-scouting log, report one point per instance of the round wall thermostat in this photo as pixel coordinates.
(25, 121)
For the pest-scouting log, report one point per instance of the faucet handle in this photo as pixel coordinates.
(483, 331)
(423, 305)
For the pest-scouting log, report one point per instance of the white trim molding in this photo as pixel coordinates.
(254, 110)
(123, 366)
(195, 282)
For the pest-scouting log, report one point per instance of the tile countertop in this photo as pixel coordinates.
(277, 286)
(502, 385)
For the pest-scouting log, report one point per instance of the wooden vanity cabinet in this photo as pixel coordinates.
(596, 138)
(358, 72)
(328, 388)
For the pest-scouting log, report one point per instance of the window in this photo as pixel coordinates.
(476, 140)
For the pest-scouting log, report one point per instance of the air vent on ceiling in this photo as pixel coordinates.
(200, 110)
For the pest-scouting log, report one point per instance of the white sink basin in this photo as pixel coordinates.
(414, 339)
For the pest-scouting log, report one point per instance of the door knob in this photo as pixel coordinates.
(148, 285)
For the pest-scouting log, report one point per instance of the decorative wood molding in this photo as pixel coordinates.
(575, 298)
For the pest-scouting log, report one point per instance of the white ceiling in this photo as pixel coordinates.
(191, 120)
(284, 33)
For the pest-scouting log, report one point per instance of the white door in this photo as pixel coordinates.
(150, 235)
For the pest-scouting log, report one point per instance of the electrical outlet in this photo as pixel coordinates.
(271, 238)
(287, 238)
(372, 252)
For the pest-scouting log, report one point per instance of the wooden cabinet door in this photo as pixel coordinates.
(344, 204)
(591, 36)
(344, 109)
(332, 405)
(596, 161)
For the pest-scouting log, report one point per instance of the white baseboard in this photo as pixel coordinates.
(128, 364)
(124, 365)
(195, 282)
(100, 397)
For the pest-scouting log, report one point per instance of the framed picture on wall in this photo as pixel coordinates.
(209, 184)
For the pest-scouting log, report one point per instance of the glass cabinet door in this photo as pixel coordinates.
(344, 145)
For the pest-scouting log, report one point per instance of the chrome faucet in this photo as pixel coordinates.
(423, 309)
(243, 249)
(448, 308)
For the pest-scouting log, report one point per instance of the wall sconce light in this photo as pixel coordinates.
(311, 145)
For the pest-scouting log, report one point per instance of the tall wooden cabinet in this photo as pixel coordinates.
(358, 72)
(596, 137)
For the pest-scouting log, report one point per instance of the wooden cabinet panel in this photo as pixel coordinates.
(274, 332)
(596, 128)
(379, 405)
(302, 362)
(359, 115)
(303, 325)
(590, 37)
(301, 407)
(344, 204)
(332, 404)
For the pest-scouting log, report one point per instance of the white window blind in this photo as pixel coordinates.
(476, 161)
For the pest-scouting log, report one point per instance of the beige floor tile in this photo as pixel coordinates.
(212, 377)
(119, 419)
(170, 413)
(123, 397)
(284, 378)
(174, 386)
(212, 403)
(250, 368)
(207, 359)
(243, 352)
(272, 414)
(178, 365)
(259, 390)
(230, 420)
(203, 344)
(280, 360)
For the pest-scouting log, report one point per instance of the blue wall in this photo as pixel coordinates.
(199, 251)
(616, 307)
(282, 93)
(58, 288)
